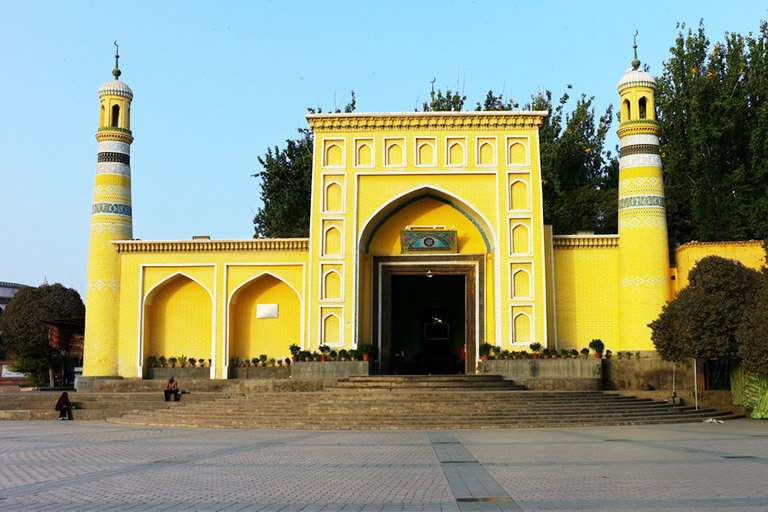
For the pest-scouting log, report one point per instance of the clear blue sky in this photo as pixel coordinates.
(215, 84)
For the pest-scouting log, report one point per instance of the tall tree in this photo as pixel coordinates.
(702, 320)
(713, 110)
(286, 185)
(25, 335)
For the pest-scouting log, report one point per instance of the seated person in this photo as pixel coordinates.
(64, 406)
(172, 388)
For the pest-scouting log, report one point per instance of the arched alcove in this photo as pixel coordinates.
(333, 155)
(520, 240)
(456, 154)
(425, 154)
(486, 154)
(395, 154)
(522, 329)
(177, 319)
(332, 242)
(331, 332)
(331, 285)
(517, 154)
(264, 318)
(521, 284)
(518, 195)
(364, 155)
(333, 197)
(115, 116)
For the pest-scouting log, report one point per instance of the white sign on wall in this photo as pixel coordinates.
(266, 310)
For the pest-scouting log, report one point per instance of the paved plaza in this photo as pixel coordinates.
(94, 465)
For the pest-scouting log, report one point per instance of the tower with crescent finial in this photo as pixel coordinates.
(110, 220)
(644, 284)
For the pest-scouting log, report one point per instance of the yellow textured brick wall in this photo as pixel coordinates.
(750, 253)
(216, 269)
(586, 294)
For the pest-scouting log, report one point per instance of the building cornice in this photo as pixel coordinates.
(427, 120)
(114, 133)
(695, 243)
(639, 127)
(584, 241)
(256, 244)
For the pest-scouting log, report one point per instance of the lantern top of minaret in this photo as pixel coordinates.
(116, 87)
(634, 77)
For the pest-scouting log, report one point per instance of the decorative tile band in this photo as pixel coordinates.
(113, 168)
(112, 190)
(639, 184)
(645, 281)
(639, 149)
(263, 244)
(640, 160)
(98, 284)
(584, 241)
(425, 120)
(115, 146)
(642, 202)
(123, 210)
(647, 221)
(113, 156)
(112, 227)
(631, 140)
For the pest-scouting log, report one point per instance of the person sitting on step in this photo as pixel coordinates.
(64, 406)
(172, 388)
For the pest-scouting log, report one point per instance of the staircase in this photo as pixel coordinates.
(420, 402)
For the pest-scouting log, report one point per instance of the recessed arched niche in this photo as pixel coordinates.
(520, 239)
(517, 153)
(518, 195)
(521, 332)
(331, 332)
(521, 284)
(333, 197)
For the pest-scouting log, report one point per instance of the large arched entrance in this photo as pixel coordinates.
(427, 309)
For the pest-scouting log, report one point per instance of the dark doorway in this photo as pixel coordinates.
(427, 324)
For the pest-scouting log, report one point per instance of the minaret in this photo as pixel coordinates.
(644, 285)
(110, 220)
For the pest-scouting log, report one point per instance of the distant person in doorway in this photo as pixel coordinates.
(64, 406)
(398, 363)
(172, 388)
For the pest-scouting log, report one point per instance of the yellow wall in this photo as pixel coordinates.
(251, 336)
(750, 253)
(178, 320)
(219, 268)
(485, 164)
(586, 290)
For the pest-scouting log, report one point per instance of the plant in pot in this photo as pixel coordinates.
(535, 347)
(271, 362)
(545, 353)
(305, 355)
(294, 349)
(485, 350)
(192, 361)
(584, 352)
(333, 355)
(152, 361)
(263, 360)
(352, 354)
(523, 354)
(505, 354)
(514, 355)
(325, 350)
(343, 354)
(574, 353)
(172, 361)
(162, 361)
(254, 361)
(287, 361)
(608, 354)
(564, 353)
(597, 345)
(201, 362)
(365, 350)
(183, 361)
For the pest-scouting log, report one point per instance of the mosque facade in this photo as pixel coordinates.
(427, 236)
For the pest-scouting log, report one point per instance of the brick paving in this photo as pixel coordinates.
(93, 465)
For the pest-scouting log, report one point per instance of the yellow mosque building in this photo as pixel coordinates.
(427, 236)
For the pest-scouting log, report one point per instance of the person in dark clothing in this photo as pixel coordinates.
(172, 388)
(64, 406)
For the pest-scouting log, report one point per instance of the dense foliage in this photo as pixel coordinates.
(713, 108)
(25, 334)
(702, 321)
(752, 334)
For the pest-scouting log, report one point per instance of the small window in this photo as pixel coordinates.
(115, 115)
(642, 107)
(626, 111)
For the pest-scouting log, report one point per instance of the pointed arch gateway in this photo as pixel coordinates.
(429, 305)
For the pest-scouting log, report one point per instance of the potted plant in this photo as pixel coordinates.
(637, 355)
(365, 350)
(343, 354)
(294, 349)
(535, 348)
(201, 362)
(192, 361)
(152, 361)
(287, 361)
(523, 354)
(597, 345)
(505, 354)
(172, 362)
(545, 353)
(608, 354)
(584, 353)
(352, 354)
(263, 360)
(333, 355)
(574, 353)
(162, 361)
(485, 350)
(254, 361)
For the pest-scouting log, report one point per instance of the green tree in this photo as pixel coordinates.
(702, 320)
(286, 185)
(25, 334)
(579, 176)
(752, 333)
(713, 110)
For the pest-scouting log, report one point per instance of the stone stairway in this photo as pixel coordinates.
(410, 402)
(38, 405)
